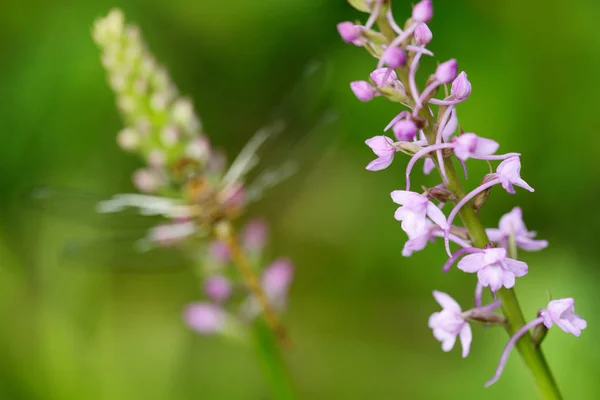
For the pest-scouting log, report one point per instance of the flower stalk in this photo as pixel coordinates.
(225, 233)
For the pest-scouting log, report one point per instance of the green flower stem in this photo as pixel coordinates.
(532, 355)
(273, 363)
(268, 333)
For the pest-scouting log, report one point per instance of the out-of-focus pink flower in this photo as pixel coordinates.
(205, 318)
(254, 235)
(276, 280)
(217, 288)
(219, 251)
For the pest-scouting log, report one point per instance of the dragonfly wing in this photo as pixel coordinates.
(124, 253)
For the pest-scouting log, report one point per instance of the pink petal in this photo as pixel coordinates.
(446, 301)
(495, 235)
(491, 276)
(437, 215)
(466, 336)
(471, 263)
(461, 152)
(381, 163)
(381, 145)
(531, 244)
(441, 334)
(448, 343)
(508, 279)
(486, 147)
(513, 222)
(578, 322)
(520, 182)
(401, 196)
(428, 166)
(433, 320)
(519, 268)
(451, 126)
(561, 305)
(414, 225)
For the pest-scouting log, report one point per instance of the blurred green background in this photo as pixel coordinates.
(358, 309)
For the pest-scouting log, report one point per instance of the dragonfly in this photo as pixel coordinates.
(207, 204)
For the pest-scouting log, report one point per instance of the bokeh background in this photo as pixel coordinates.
(83, 329)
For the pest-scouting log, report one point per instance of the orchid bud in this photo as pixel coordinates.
(128, 139)
(394, 57)
(461, 87)
(446, 71)
(423, 11)
(422, 35)
(486, 317)
(380, 74)
(348, 31)
(408, 148)
(405, 130)
(442, 194)
(363, 90)
(480, 199)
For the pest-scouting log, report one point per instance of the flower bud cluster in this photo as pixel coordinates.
(427, 129)
(160, 125)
